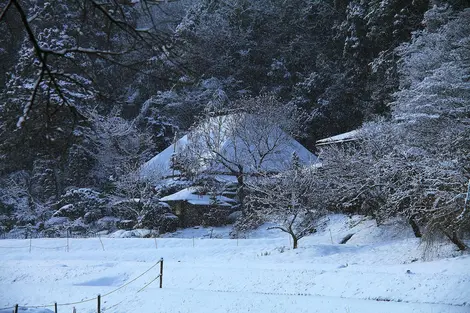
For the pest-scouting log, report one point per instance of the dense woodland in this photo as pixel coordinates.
(90, 90)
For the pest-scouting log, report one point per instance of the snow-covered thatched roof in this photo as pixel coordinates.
(160, 165)
(344, 137)
(191, 195)
(233, 147)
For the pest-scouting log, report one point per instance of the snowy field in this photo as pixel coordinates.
(379, 270)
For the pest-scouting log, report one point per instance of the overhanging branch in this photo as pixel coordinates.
(4, 11)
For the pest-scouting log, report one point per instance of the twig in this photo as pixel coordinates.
(4, 11)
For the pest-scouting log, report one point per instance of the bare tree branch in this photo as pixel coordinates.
(5, 10)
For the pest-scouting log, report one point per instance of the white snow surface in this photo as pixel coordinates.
(380, 269)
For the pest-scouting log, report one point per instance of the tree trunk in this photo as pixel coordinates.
(456, 241)
(415, 228)
(241, 192)
(295, 241)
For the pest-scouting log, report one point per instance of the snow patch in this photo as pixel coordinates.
(103, 281)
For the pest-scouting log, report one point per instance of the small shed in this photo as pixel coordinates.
(194, 208)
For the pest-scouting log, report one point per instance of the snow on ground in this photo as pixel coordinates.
(380, 269)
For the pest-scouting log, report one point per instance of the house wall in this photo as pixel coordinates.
(194, 215)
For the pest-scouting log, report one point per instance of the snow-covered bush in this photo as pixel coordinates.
(107, 223)
(168, 223)
(154, 215)
(82, 202)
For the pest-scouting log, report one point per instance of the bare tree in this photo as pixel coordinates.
(252, 138)
(136, 191)
(386, 173)
(119, 145)
(416, 165)
(290, 200)
(432, 113)
(17, 205)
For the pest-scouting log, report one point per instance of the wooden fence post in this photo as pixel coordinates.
(55, 307)
(102, 245)
(99, 303)
(16, 308)
(30, 243)
(161, 272)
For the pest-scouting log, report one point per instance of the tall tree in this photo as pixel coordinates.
(416, 165)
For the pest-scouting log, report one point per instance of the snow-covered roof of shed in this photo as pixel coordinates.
(208, 202)
(277, 160)
(344, 137)
(190, 195)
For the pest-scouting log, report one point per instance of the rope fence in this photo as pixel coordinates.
(49, 248)
(40, 235)
(101, 243)
(55, 305)
(30, 246)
